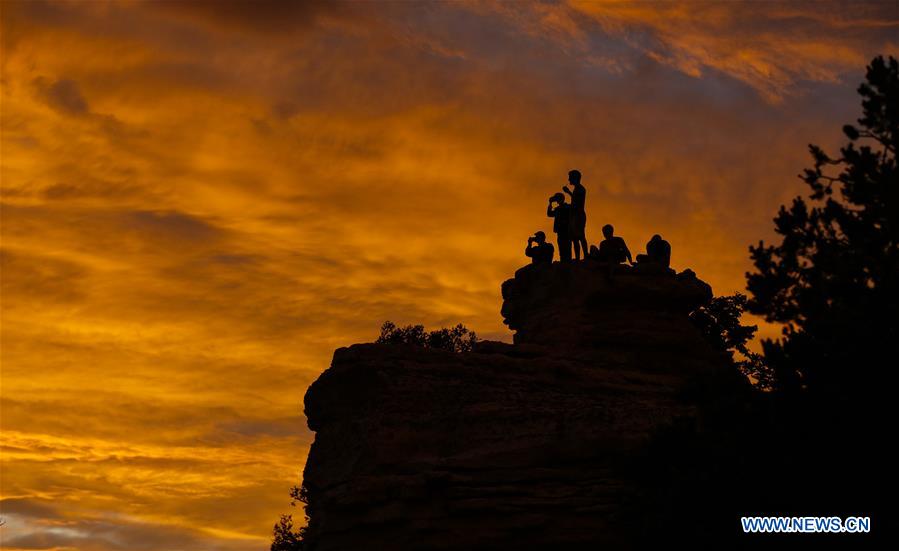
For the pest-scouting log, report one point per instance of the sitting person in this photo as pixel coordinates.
(658, 252)
(612, 249)
(539, 251)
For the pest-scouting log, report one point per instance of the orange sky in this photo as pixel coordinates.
(200, 201)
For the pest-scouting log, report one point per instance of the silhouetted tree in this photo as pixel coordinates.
(834, 278)
(719, 322)
(284, 536)
(833, 281)
(454, 339)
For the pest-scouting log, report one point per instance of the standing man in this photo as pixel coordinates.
(577, 222)
(561, 213)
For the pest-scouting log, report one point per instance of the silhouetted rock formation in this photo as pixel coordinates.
(517, 446)
(581, 305)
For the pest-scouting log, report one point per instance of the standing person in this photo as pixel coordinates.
(538, 250)
(577, 222)
(561, 213)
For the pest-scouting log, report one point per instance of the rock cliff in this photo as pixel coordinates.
(511, 446)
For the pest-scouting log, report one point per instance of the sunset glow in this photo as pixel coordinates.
(202, 200)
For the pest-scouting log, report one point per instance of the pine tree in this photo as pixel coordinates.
(834, 278)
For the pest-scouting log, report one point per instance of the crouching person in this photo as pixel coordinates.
(538, 250)
(658, 252)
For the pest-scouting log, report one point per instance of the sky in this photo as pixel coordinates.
(202, 200)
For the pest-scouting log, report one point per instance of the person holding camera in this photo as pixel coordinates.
(560, 211)
(539, 251)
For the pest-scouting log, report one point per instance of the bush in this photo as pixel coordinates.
(285, 537)
(719, 322)
(455, 339)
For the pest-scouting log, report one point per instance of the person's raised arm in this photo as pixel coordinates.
(549, 209)
(568, 191)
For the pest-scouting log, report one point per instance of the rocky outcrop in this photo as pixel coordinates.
(511, 446)
(590, 305)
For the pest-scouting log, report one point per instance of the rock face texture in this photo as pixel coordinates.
(511, 446)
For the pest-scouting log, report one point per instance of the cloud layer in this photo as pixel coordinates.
(200, 201)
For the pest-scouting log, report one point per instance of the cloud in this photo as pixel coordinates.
(261, 16)
(39, 525)
(29, 508)
(170, 225)
(63, 95)
(40, 279)
(772, 50)
(199, 205)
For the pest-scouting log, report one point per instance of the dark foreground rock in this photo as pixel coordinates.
(510, 446)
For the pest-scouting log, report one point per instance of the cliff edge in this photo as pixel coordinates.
(510, 446)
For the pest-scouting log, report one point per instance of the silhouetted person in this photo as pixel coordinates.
(612, 249)
(577, 222)
(658, 251)
(539, 250)
(561, 213)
